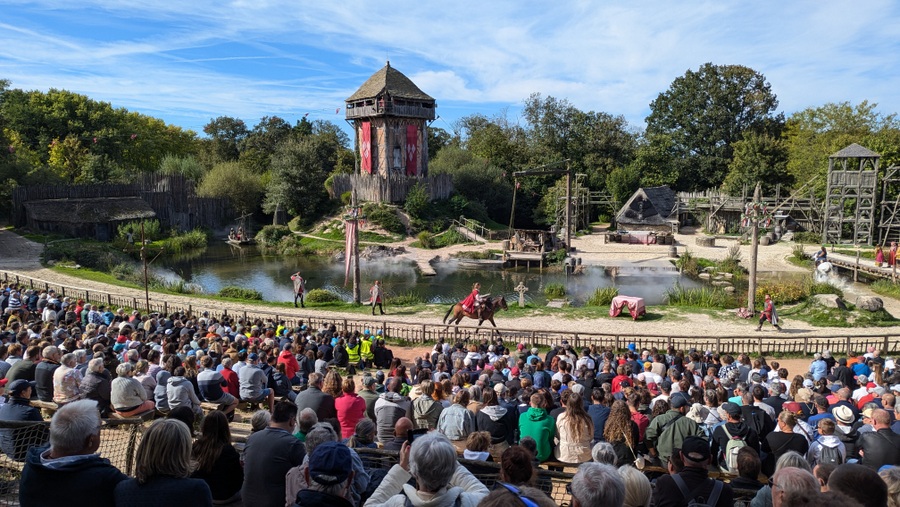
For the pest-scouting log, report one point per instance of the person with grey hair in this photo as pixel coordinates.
(66, 381)
(43, 372)
(96, 385)
(637, 487)
(597, 484)
(818, 368)
(431, 460)
(69, 471)
(306, 419)
(604, 452)
(127, 394)
(790, 459)
(260, 420)
(791, 484)
(81, 361)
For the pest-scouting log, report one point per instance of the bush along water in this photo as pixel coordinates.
(602, 296)
(234, 292)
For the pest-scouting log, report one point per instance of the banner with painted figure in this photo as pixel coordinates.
(412, 143)
(365, 147)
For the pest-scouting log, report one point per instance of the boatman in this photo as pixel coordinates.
(769, 314)
(299, 288)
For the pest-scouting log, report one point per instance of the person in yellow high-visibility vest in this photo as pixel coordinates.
(366, 343)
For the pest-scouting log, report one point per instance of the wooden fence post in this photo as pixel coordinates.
(166, 308)
(423, 333)
(885, 350)
(848, 347)
(806, 345)
(134, 303)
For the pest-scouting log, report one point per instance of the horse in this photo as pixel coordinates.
(487, 312)
(299, 288)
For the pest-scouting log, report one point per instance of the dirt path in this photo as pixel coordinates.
(22, 256)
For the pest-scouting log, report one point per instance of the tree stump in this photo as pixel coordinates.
(706, 241)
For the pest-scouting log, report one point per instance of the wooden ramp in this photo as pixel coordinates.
(470, 234)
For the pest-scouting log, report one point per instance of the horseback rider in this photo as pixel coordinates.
(299, 288)
(475, 302)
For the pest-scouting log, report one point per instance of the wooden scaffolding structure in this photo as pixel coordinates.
(850, 196)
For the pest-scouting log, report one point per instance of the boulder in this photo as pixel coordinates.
(729, 289)
(870, 303)
(705, 276)
(721, 283)
(830, 301)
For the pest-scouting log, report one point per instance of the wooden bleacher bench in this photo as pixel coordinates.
(148, 415)
(48, 408)
(209, 407)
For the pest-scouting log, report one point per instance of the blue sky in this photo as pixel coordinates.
(189, 61)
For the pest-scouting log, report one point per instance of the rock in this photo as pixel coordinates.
(705, 276)
(380, 251)
(729, 289)
(721, 283)
(557, 303)
(728, 276)
(870, 303)
(830, 301)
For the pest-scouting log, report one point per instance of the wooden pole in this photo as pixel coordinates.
(568, 210)
(144, 262)
(754, 251)
(355, 212)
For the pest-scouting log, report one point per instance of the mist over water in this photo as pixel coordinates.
(223, 265)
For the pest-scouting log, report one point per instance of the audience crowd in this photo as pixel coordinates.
(829, 435)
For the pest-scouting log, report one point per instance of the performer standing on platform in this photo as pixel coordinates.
(892, 255)
(769, 314)
(377, 295)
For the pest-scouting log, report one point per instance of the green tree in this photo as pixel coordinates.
(653, 162)
(299, 170)
(437, 139)
(187, 166)
(704, 113)
(816, 133)
(257, 148)
(758, 158)
(622, 182)
(228, 179)
(226, 135)
(476, 180)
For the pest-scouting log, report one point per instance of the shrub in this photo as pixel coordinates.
(807, 237)
(408, 299)
(687, 263)
(555, 291)
(703, 297)
(602, 296)
(798, 253)
(234, 292)
(783, 292)
(417, 201)
(426, 239)
(321, 296)
(347, 198)
(178, 243)
(295, 225)
(732, 261)
(384, 216)
(270, 235)
(152, 231)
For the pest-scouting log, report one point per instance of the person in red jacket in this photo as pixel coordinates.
(234, 386)
(350, 408)
(769, 314)
(291, 366)
(474, 301)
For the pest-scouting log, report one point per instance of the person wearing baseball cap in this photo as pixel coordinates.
(695, 453)
(734, 428)
(667, 431)
(329, 475)
(15, 442)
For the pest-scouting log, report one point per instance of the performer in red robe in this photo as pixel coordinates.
(472, 303)
(769, 314)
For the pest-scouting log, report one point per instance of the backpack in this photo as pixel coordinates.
(694, 500)
(830, 455)
(731, 451)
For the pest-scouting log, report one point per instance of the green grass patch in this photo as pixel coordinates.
(818, 315)
(234, 292)
(602, 296)
(407, 299)
(864, 253)
(555, 291)
(185, 241)
(477, 254)
(886, 288)
(701, 297)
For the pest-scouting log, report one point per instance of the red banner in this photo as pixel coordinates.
(365, 147)
(350, 232)
(412, 143)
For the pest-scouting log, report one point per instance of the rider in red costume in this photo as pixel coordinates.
(474, 302)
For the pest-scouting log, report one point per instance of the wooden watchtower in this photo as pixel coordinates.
(852, 179)
(390, 115)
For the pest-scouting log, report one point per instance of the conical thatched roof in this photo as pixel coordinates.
(391, 81)
(855, 151)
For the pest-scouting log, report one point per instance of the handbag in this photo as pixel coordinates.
(639, 461)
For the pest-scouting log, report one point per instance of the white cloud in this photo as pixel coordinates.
(190, 61)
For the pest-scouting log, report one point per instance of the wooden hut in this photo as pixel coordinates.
(653, 209)
(85, 218)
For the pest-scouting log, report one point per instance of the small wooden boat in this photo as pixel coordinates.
(241, 242)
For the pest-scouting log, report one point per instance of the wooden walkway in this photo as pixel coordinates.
(860, 265)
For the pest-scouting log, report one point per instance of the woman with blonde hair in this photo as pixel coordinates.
(332, 384)
(162, 471)
(637, 487)
(574, 429)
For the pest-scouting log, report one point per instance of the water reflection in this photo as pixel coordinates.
(224, 265)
